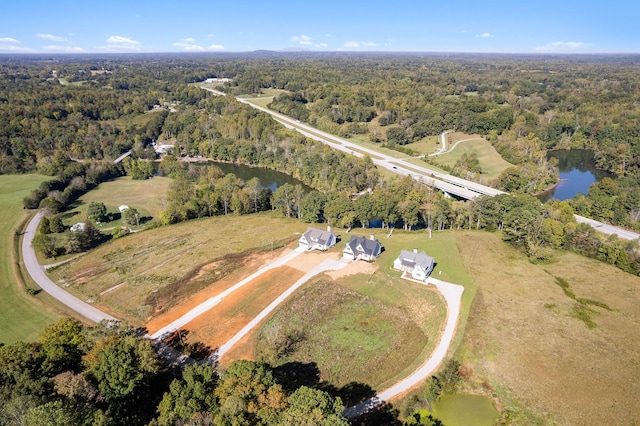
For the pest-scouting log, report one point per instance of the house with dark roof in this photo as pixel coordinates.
(419, 265)
(317, 239)
(360, 248)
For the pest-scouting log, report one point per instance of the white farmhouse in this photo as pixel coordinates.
(317, 239)
(419, 265)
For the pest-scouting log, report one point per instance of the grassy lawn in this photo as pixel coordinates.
(143, 195)
(363, 141)
(373, 329)
(426, 145)
(166, 258)
(262, 102)
(491, 162)
(526, 344)
(22, 317)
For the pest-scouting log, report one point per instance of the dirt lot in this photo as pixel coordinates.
(227, 318)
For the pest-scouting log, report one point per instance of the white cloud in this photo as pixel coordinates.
(122, 40)
(302, 39)
(66, 49)
(189, 39)
(210, 35)
(16, 49)
(359, 44)
(485, 35)
(305, 40)
(51, 37)
(8, 40)
(562, 46)
(191, 47)
(121, 44)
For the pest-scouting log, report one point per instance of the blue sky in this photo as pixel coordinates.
(541, 26)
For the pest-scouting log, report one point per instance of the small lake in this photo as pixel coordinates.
(268, 178)
(577, 172)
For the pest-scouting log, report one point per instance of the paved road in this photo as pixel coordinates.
(608, 229)
(38, 274)
(452, 294)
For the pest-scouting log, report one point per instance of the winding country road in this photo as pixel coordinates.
(38, 274)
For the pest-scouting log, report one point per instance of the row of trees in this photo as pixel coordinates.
(109, 374)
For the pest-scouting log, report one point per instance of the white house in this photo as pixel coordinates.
(317, 239)
(359, 248)
(419, 265)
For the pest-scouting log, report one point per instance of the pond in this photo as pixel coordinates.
(465, 410)
(268, 178)
(577, 172)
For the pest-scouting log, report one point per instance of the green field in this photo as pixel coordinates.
(22, 316)
(144, 195)
(491, 162)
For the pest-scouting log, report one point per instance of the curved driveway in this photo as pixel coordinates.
(38, 274)
(452, 294)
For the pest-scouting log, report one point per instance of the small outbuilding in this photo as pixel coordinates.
(317, 239)
(78, 227)
(122, 208)
(419, 265)
(360, 248)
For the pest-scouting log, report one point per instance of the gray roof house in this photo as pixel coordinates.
(359, 248)
(317, 239)
(419, 265)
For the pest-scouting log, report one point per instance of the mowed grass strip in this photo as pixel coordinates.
(491, 162)
(165, 259)
(524, 341)
(22, 316)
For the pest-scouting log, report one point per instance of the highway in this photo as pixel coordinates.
(449, 184)
(443, 181)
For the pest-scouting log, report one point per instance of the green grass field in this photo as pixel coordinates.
(22, 316)
(491, 162)
(143, 195)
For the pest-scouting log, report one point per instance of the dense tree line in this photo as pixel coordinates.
(110, 375)
(87, 107)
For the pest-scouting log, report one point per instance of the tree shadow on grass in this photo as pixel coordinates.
(292, 375)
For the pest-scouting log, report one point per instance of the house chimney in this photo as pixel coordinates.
(328, 228)
(371, 237)
(415, 250)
